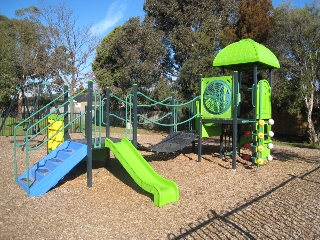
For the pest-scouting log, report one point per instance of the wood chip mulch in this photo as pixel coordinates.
(279, 200)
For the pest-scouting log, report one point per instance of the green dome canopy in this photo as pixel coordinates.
(241, 56)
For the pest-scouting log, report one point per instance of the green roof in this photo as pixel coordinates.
(241, 56)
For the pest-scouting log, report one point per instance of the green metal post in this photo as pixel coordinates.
(255, 80)
(65, 110)
(135, 116)
(235, 121)
(172, 113)
(107, 117)
(270, 77)
(89, 134)
(254, 89)
(222, 71)
(239, 90)
(200, 124)
(193, 112)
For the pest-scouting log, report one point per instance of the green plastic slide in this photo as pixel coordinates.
(164, 190)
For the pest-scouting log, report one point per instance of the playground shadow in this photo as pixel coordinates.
(290, 138)
(114, 167)
(286, 211)
(207, 149)
(79, 170)
(118, 171)
(161, 156)
(279, 153)
(285, 155)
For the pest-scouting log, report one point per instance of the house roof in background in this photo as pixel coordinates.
(81, 98)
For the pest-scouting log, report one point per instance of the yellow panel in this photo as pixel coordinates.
(55, 144)
(53, 128)
(59, 137)
(56, 126)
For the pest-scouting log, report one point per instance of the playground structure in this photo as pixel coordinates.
(65, 153)
(217, 107)
(220, 102)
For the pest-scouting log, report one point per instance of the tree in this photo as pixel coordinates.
(296, 39)
(8, 79)
(23, 53)
(131, 54)
(192, 30)
(253, 20)
(72, 45)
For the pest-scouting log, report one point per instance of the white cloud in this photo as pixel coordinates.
(114, 15)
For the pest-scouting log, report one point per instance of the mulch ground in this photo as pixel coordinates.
(280, 200)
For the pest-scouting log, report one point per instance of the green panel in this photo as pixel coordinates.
(242, 55)
(265, 153)
(216, 97)
(263, 100)
(99, 153)
(209, 130)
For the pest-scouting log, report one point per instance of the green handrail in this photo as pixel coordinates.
(28, 139)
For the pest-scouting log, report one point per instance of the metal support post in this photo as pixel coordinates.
(107, 117)
(254, 89)
(200, 123)
(89, 134)
(172, 113)
(235, 121)
(270, 77)
(65, 111)
(135, 116)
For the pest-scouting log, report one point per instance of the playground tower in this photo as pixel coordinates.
(220, 100)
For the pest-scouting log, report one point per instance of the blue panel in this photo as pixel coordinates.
(46, 173)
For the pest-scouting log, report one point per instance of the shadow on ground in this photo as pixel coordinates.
(287, 211)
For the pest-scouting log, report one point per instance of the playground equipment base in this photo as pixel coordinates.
(46, 173)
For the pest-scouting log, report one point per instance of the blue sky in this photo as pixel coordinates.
(104, 14)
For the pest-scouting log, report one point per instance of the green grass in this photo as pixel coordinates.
(294, 141)
(11, 123)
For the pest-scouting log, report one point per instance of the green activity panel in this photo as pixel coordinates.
(263, 108)
(217, 97)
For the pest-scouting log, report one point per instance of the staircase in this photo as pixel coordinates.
(46, 173)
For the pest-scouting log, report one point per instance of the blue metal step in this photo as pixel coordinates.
(46, 173)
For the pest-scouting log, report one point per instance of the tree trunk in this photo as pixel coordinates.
(312, 135)
(20, 106)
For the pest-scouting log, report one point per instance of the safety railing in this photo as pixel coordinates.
(31, 135)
